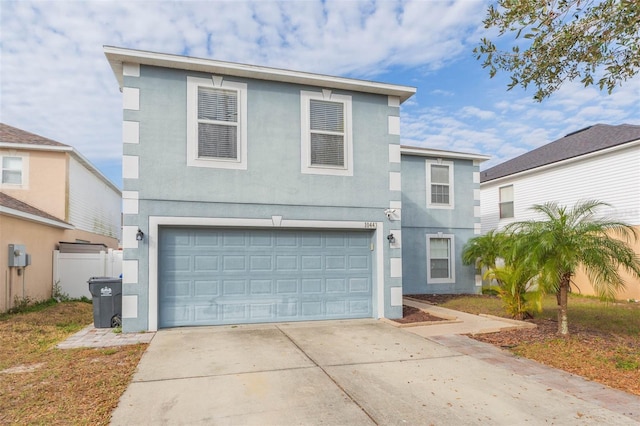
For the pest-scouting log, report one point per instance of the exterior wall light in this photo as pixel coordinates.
(391, 238)
(139, 235)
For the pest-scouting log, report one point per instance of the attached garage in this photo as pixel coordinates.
(213, 276)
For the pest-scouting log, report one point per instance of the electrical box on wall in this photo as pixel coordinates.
(17, 255)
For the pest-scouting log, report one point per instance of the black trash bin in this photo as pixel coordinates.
(107, 301)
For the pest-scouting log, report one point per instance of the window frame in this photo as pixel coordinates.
(216, 82)
(502, 203)
(450, 165)
(24, 170)
(451, 279)
(305, 123)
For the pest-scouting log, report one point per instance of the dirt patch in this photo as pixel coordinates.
(45, 385)
(412, 315)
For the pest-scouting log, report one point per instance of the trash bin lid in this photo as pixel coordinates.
(104, 280)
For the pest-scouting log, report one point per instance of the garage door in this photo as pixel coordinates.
(229, 276)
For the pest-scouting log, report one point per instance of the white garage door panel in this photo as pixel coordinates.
(223, 276)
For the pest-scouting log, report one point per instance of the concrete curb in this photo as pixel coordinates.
(420, 324)
(520, 324)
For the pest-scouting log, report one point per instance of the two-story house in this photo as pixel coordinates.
(600, 162)
(48, 193)
(254, 194)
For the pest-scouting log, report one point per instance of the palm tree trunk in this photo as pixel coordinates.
(562, 295)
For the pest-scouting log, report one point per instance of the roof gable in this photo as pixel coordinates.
(588, 140)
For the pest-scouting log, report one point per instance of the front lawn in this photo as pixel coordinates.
(604, 344)
(40, 384)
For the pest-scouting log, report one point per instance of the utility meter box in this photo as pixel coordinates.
(17, 255)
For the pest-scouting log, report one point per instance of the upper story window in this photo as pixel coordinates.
(15, 170)
(326, 133)
(440, 265)
(12, 170)
(216, 123)
(506, 202)
(439, 184)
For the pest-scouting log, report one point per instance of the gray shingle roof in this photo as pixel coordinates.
(11, 134)
(581, 142)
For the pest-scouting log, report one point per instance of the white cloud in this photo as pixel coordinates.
(471, 111)
(55, 80)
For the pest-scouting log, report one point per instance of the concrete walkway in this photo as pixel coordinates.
(91, 337)
(357, 372)
(460, 322)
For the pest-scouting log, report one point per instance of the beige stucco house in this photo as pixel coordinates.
(48, 193)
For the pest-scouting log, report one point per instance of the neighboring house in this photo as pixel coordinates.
(440, 213)
(254, 194)
(600, 162)
(48, 193)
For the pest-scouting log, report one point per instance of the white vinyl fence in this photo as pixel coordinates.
(72, 270)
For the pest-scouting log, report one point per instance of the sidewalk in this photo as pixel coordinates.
(91, 337)
(459, 322)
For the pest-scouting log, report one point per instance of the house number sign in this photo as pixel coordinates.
(370, 225)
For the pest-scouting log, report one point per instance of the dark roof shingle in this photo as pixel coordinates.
(11, 134)
(581, 142)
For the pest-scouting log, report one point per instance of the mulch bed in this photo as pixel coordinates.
(438, 299)
(411, 315)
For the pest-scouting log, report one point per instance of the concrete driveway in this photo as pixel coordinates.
(361, 372)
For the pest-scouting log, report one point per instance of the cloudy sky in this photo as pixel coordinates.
(56, 82)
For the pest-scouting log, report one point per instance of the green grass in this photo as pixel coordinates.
(476, 305)
(621, 318)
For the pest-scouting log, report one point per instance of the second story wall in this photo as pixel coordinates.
(457, 211)
(94, 206)
(612, 177)
(273, 171)
(43, 179)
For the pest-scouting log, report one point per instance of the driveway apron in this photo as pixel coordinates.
(357, 372)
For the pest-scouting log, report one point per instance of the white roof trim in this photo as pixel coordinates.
(35, 218)
(95, 171)
(82, 159)
(117, 56)
(426, 152)
(561, 163)
(33, 147)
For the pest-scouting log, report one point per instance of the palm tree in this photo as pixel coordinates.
(517, 289)
(566, 239)
(484, 251)
(492, 255)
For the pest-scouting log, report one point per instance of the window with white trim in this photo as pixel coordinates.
(216, 123)
(506, 202)
(440, 261)
(439, 184)
(12, 170)
(326, 133)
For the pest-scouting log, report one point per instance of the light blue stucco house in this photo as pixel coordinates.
(440, 213)
(254, 194)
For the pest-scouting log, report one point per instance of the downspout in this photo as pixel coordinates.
(6, 290)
